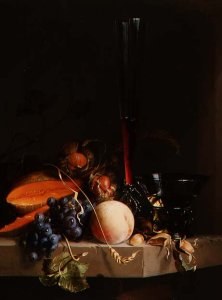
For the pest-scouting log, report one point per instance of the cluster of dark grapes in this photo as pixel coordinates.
(41, 240)
(65, 217)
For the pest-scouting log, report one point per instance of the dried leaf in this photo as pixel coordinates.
(186, 246)
(195, 243)
(186, 266)
(162, 239)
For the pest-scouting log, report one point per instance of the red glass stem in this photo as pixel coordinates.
(126, 151)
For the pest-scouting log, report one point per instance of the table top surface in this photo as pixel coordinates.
(149, 261)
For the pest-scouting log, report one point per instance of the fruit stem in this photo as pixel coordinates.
(69, 248)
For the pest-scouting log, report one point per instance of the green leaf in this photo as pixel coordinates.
(78, 268)
(73, 277)
(49, 280)
(47, 266)
(67, 273)
(54, 265)
(60, 260)
(68, 281)
(52, 268)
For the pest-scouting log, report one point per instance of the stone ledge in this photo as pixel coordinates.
(150, 261)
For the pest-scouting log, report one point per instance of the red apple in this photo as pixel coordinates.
(116, 219)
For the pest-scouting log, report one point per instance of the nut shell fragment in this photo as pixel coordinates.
(136, 239)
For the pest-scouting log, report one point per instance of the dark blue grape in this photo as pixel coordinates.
(43, 242)
(39, 226)
(46, 230)
(60, 216)
(33, 256)
(73, 204)
(63, 201)
(39, 217)
(67, 211)
(69, 221)
(72, 201)
(87, 206)
(74, 233)
(54, 239)
(51, 201)
(48, 220)
(68, 233)
(84, 218)
(59, 237)
(78, 232)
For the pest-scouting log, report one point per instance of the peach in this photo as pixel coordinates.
(116, 219)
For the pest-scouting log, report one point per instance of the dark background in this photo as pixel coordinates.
(60, 78)
(59, 82)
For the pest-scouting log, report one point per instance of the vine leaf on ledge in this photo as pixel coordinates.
(65, 272)
(73, 277)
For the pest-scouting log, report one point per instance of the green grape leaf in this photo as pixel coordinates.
(52, 265)
(78, 267)
(49, 280)
(60, 260)
(73, 277)
(65, 272)
(47, 266)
